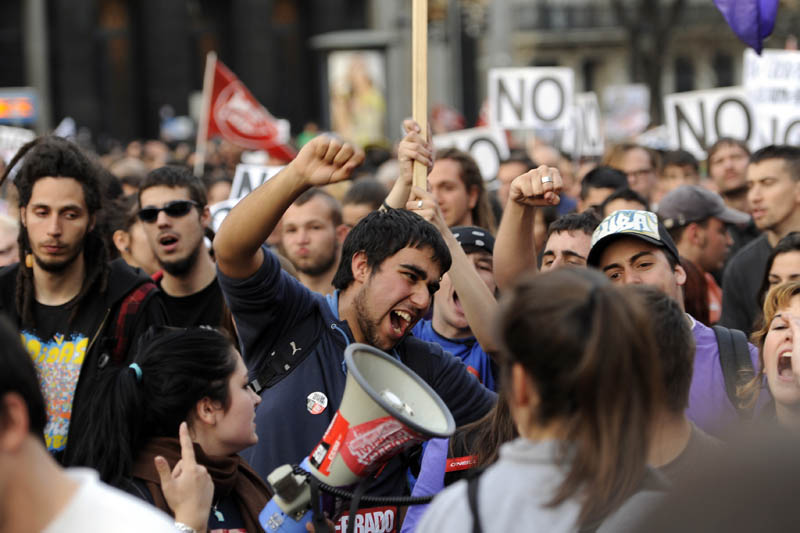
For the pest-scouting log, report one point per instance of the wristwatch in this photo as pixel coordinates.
(183, 528)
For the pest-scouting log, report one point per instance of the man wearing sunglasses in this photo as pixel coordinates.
(175, 216)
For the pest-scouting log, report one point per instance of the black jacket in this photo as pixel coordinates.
(741, 283)
(102, 313)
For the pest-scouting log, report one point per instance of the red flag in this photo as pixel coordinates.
(235, 114)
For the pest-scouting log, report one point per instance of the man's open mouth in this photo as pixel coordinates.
(400, 321)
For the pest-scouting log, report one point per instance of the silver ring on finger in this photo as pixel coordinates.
(419, 204)
(547, 179)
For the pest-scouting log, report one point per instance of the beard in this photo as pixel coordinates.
(179, 267)
(367, 324)
(370, 326)
(56, 267)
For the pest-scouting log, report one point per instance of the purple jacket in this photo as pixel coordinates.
(709, 406)
(429, 482)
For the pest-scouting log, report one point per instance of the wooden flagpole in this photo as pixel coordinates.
(419, 79)
(202, 128)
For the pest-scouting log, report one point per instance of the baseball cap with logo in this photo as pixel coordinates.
(472, 238)
(642, 225)
(692, 203)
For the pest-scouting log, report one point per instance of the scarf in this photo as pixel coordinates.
(231, 476)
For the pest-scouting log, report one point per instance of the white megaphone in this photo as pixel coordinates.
(385, 409)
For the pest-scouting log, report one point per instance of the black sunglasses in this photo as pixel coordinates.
(175, 209)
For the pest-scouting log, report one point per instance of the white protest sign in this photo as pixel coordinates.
(248, 177)
(220, 210)
(772, 80)
(488, 146)
(530, 98)
(781, 128)
(696, 119)
(584, 136)
(591, 118)
(772, 83)
(12, 139)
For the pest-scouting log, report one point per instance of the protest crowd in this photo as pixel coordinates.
(611, 335)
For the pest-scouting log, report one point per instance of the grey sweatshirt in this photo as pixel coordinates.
(514, 492)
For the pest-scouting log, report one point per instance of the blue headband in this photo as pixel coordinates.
(137, 370)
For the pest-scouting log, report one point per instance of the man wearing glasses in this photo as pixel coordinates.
(175, 216)
(640, 164)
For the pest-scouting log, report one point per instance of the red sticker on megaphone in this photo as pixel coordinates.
(327, 449)
(369, 444)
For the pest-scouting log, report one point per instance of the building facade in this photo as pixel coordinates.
(113, 64)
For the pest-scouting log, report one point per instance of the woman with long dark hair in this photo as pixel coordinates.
(193, 375)
(582, 378)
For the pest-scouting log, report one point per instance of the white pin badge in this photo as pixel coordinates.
(316, 402)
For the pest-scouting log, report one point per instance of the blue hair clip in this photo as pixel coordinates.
(137, 370)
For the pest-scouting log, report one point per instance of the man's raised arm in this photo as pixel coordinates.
(237, 245)
(478, 302)
(514, 249)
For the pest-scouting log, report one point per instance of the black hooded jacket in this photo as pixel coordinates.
(103, 315)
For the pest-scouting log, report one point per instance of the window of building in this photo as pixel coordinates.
(723, 69)
(684, 74)
(588, 69)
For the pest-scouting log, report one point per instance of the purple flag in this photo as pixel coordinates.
(751, 20)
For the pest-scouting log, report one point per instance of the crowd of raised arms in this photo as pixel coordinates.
(615, 339)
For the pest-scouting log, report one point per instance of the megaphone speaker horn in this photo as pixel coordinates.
(385, 409)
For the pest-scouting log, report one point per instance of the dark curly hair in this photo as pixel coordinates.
(381, 234)
(51, 156)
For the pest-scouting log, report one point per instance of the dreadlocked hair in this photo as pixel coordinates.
(51, 156)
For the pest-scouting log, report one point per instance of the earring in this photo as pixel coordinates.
(29, 260)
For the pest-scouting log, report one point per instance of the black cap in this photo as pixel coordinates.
(474, 237)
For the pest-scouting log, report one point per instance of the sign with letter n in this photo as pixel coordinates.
(530, 98)
(585, 135)
(696, 119)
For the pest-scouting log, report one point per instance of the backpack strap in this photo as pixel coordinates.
(288, 352)
(472, 499)
(128, 310)
(737, 367)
